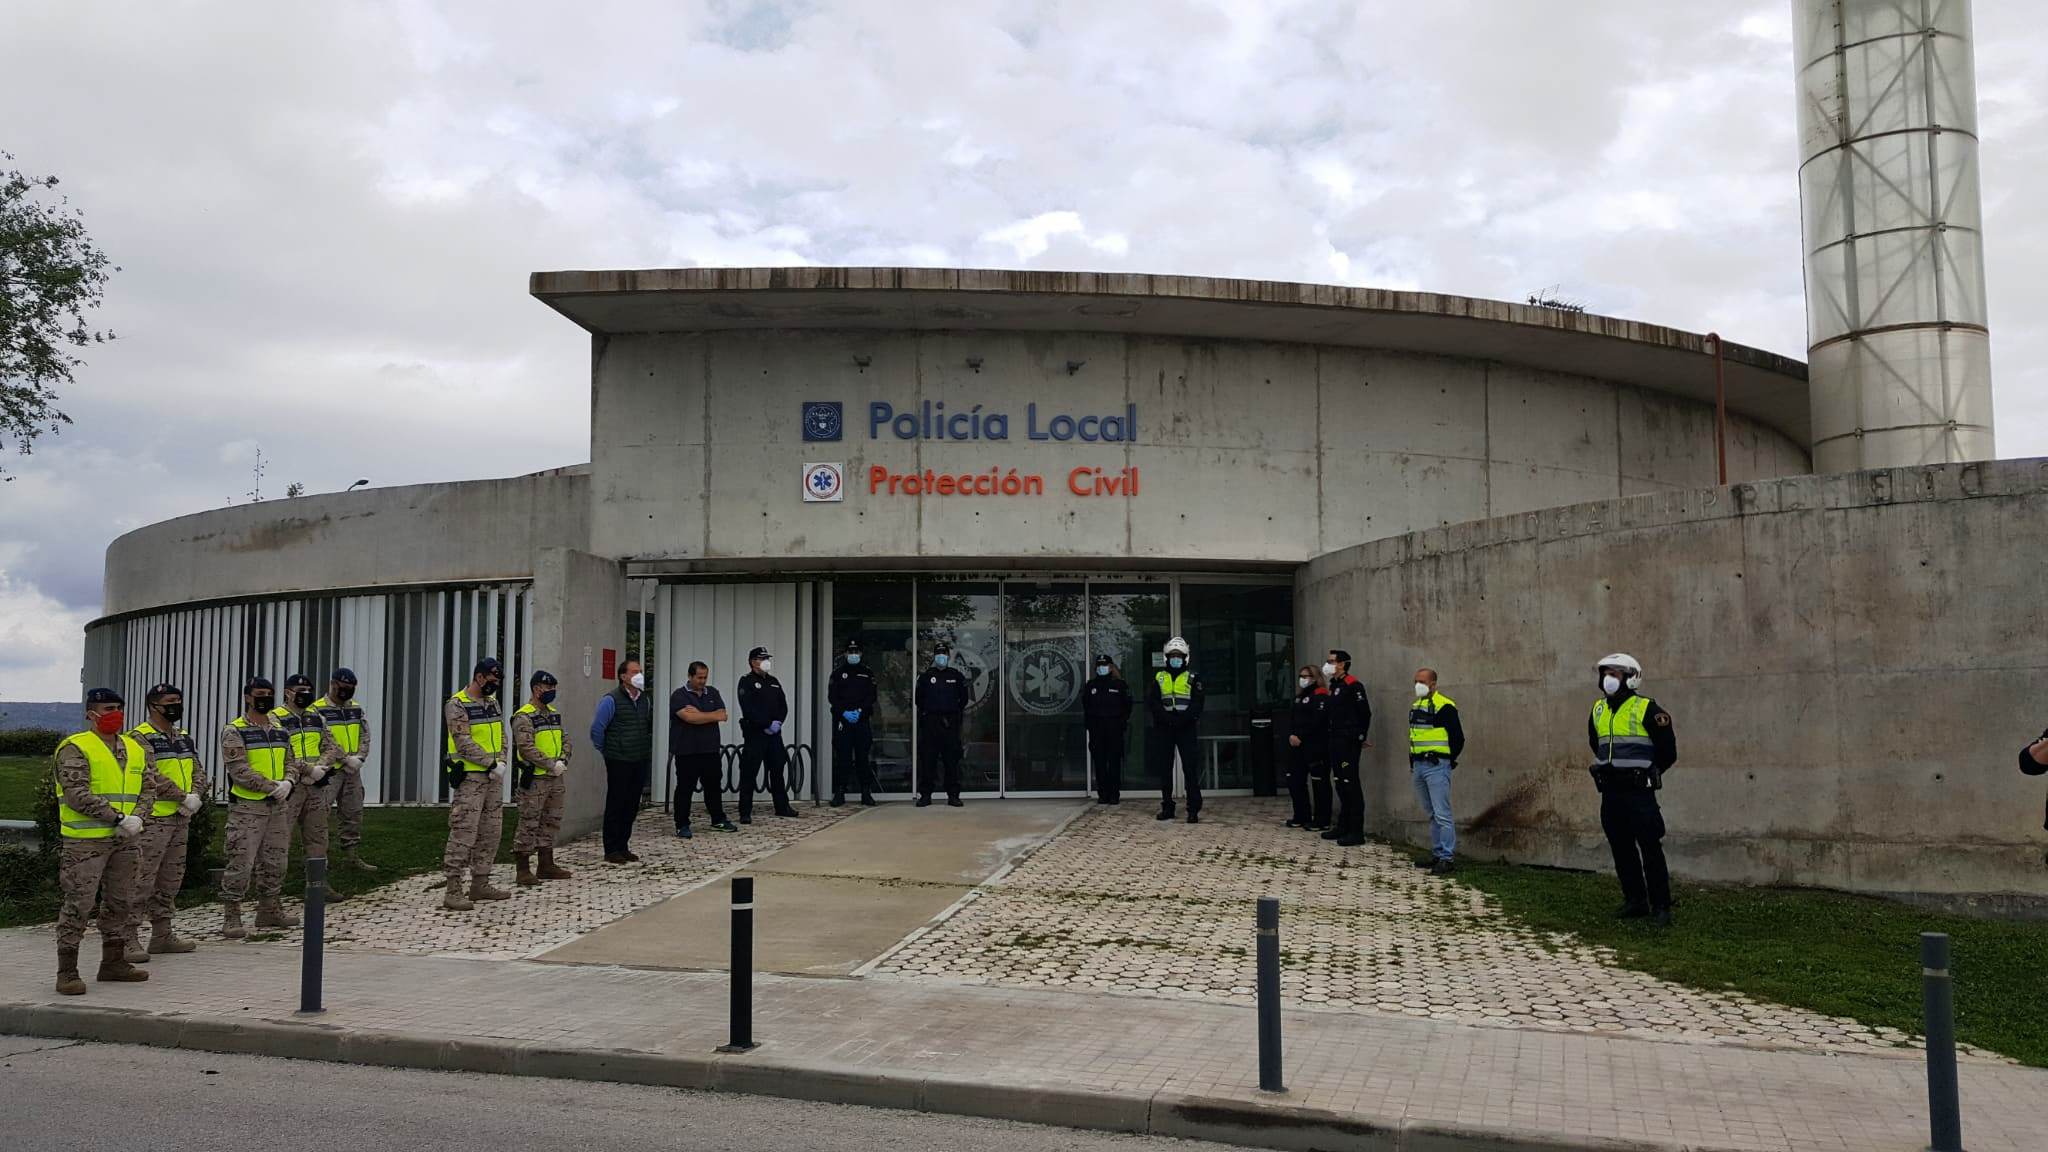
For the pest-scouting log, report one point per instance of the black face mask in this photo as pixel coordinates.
(301, 697)
(490, 687)
(344, 693)
(547, 696)
(262, 703)
(174, 711)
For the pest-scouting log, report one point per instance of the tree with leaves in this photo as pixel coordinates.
(51, 275)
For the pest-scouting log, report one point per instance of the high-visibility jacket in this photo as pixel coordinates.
(1176, 690)
(1425, 735)
(176, 760)
(547, 734)
(119, 783)
(304, 729)
(486, 727)
(266, 745)
(1624, 739)
(344, 722)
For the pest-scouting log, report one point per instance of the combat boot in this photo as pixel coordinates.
(271, 914)
(526, 878)
(68, 983)
(548, 869)
(455, 901)
(355, 860)
(114, 965)
(231, 921)
(133, 951)
(163, 941)
(480, 889)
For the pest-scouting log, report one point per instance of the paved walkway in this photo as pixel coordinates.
(1090, 1060)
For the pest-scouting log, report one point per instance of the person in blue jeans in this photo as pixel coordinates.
(1436, 737)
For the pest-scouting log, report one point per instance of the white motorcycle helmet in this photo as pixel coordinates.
(1632, 677)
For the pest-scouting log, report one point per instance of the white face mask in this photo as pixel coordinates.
(767, 665)
(638, 682)
(1305, 681)
(1329, 669)
(1421, 690)
(1610, 684)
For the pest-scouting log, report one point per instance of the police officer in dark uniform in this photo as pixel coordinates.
(1350, 722)
(1174, 699)
(942, 697)
(1308, 742)
(763, 711)
(1633, 746)
(852, 697)
(1106, 714)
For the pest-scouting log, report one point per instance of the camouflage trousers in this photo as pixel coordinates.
(259, 841)
(309, 805)
(107, 868)
(540, 813)
(163, 866)
(347, 786)
(474, 826)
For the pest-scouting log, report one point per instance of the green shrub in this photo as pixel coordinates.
(31, 742)
(200, 860)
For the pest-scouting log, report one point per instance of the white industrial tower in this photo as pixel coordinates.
(1898, 348)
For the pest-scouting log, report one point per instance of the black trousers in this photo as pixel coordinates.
(1308, 784)
(624, 782)
(1106, 752)
(698, 770)
(1160, 749)
(852, 758)
(938, 743)
(762, 750)
(1635, 832)
(1344, 755)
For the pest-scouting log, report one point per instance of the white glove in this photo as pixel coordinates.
(319, 774)
(497, 772)
(282, 792)
(190, 803)
(557, 767)
(129, 826)
(355, 763)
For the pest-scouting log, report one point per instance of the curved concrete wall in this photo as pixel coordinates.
(1249, 452)
(1852, 661)
(475, 531)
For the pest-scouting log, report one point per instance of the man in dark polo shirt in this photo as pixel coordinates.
(695, 711)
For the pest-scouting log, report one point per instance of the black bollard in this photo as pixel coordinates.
(1944, 1110)
(315, 940)
(742, 1039)
(1269, 995)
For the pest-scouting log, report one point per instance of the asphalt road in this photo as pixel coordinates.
(58, 1094)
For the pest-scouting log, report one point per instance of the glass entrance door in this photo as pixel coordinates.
(967, 616)
(1045, 658)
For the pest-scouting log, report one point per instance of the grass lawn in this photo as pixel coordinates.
(19, 778)
(1836, 954)
(399, 841)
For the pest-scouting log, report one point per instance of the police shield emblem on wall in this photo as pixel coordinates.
(823, 421)
(824, 483)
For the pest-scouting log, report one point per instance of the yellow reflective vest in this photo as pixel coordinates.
(176, 760)
(547, 734)
(486, 727)
(119, 783)
(1425, 735)
(344, 722)
(1176, 690)
(266, 746)
(1624, 738)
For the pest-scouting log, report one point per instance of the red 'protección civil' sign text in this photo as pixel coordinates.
(1082, 481)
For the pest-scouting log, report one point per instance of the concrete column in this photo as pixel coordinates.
(579, 610)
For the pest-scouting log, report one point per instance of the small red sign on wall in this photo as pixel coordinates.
(611, 663)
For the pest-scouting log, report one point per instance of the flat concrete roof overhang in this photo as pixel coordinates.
(1761, 385)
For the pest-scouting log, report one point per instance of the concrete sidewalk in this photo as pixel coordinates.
(1083, 1060)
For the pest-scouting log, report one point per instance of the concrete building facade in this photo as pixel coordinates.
(1041, 469)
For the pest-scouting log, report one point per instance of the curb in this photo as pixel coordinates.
(1277, 1126)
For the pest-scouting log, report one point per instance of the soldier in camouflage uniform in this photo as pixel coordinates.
(175, 791)
(254, 755)
(313, 757)
(542, 744)
(476, 767)
(349, 726)
(99, 782)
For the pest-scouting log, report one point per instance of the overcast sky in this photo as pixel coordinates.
(325, 214)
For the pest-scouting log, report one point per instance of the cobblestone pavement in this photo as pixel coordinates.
(1121, 903)
(406, 916)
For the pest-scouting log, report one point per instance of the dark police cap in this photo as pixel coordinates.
(486, 665)
(102, 696)
(343, 676)
(542, 676)
(162, 690)
(298, 680)
(942, 646)
(760, 653)
(256, 682)
(853, 645)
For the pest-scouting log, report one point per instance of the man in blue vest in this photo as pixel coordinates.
(1174, 700)
(1633, 746)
